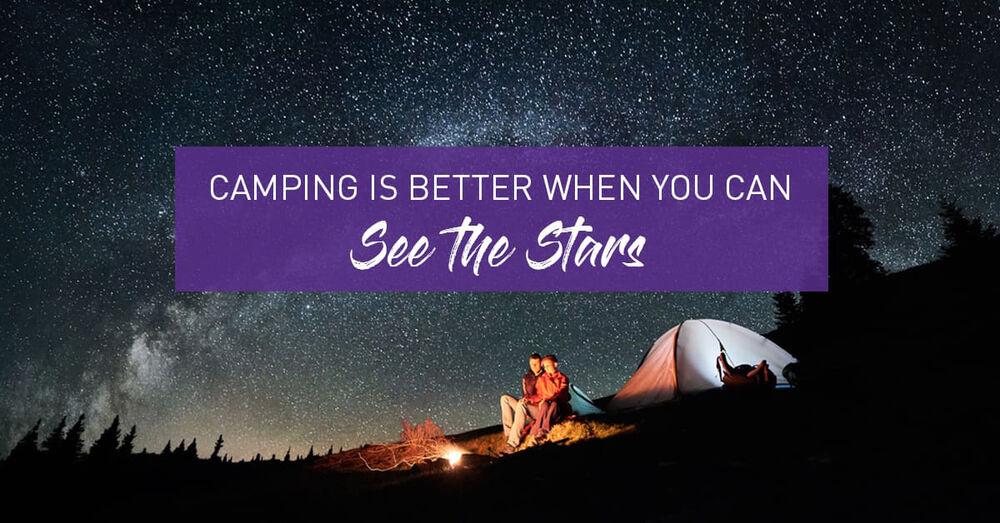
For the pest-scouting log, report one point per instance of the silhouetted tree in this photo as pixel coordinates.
(786, 308)
(329, 451)
(54, 443)
(288, 454)
(311, 455)
(274, 457)
(106, 445)
(257, 458)
(73, 445)
(26, 448)
(179, 450)
(965, 237)
(166, 450)
(215, 451)
(851, 235)
(192, 449)
(128, 443)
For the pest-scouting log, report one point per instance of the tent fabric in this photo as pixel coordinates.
(682, 361)
(655, 380)
(581, 404)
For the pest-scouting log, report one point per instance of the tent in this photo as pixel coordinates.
(582, 405)
(682, 361)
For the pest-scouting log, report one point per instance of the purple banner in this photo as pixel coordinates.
(501, 218)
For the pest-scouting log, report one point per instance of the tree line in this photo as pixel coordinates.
(66, 445)
(967, 240)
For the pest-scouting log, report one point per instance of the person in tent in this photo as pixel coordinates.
(552, 397)
(516, 413)
(743, 376)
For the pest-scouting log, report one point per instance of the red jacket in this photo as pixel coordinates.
(554, 387)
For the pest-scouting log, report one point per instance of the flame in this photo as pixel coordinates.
(453, 456)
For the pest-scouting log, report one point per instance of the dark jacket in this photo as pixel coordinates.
(528, 382)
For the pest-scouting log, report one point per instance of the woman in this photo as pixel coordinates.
(552, 397)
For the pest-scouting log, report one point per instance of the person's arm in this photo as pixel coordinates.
(561, 383)
(563, 393)
(760, 366)
(524, 386)
(725, 365)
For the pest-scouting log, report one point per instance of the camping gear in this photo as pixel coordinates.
(682, 361)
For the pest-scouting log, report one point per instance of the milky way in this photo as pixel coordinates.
(95, 98)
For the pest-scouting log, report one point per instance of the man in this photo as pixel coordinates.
(516, 413)
(552, 396)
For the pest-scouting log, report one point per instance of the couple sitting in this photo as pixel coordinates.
(544, 401)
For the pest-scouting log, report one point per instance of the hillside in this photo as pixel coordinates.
(894, 419)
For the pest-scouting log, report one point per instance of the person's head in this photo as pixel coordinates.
(535, 363)
(550, 363)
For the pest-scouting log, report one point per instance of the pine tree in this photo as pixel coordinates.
(166, 450)
(128, 444)
(311, 455)
(27, 448)
(107, 444)
(965, 237)
(192, 450)
(288, 454)
(179, 450)
(73, 445)
(851, 236)
(218, 447)
(54, 443)
(787, 309)
(329, 451)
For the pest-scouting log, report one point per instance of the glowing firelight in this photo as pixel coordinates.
(453, 456)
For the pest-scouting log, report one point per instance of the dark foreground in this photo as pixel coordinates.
(896, 420)
(789, 457)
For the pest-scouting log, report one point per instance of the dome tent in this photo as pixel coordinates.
(581, 404)
(682, 361)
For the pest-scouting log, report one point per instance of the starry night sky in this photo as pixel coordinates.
(94, 99)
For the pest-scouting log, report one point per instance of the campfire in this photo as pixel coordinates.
(419, 444)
